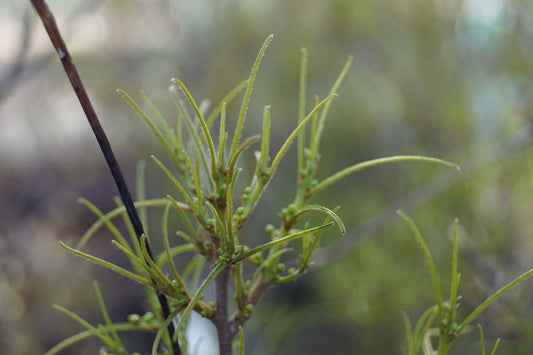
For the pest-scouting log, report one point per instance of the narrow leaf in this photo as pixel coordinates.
(105, 314)
(321, 121)
(429, 259)
(370, 163)
(109, 265)
(281, 241)
(200, 117)
(199, 293)
(247, 94)
(225, 100)
(297, 130)
(493, 298)
(325, 210)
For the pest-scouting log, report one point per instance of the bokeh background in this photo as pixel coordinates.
(444, 78)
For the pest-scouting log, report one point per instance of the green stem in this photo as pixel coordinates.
(444, 346)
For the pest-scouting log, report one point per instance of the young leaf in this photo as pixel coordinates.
(301, 108)
(109, 265)
(455, 276)
(106, 340)
(281, 241)
(176, 182)
(321, 121)
(105, 314)
(247, 94)
(225, 100)
(118, 327)
(109, 225)
(205, 129)
(370, 163)
(502, 291)
(197, 143)
(429, 259)
(199, 293)
(297, 130)
(162, 329)
(325, 210)
(156, 202)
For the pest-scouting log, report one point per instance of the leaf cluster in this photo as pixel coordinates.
(204, 169)
(448, 327)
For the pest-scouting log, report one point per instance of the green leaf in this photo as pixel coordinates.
(156, 202)
(192, 130)
(175, 181)
(114, 230)
(281, 241)
(164, 282)
(205, 129)
(309, 251)
(152, 126)
(495, 346)
(454, 286)
(247, 143)
(194, 270)
(105, 314)
(297, 130)
(321, 121)
(199, 293)
(162, 258)
(370, 163)
(262, 162)
(109, 265)
(429, 259)
(163, 328)
(106, 340)
(424, 323)
(137, 261)
(301, 108)
(225, 101)
(241, 341)
(118, 327)
(482, 336)
(502, 291)
(188, 224)
(170, 135)
(325, 210)
(247, 94)
(222, 139)
(408, 331)
(164, 228)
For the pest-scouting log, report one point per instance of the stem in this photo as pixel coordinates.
(444, 346)
(221, 313)
(51, 28)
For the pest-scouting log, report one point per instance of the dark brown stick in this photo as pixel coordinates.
(57, 41)
(221, 322)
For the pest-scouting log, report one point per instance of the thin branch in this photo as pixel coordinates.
(57, 41)
(12, 75)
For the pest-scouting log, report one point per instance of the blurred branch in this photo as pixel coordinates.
(19, 67)
(9, 80)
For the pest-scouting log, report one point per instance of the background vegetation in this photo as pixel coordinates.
(444, 78)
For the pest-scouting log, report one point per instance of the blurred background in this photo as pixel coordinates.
(443, 78)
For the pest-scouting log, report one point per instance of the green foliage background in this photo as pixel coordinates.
(443, 78)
